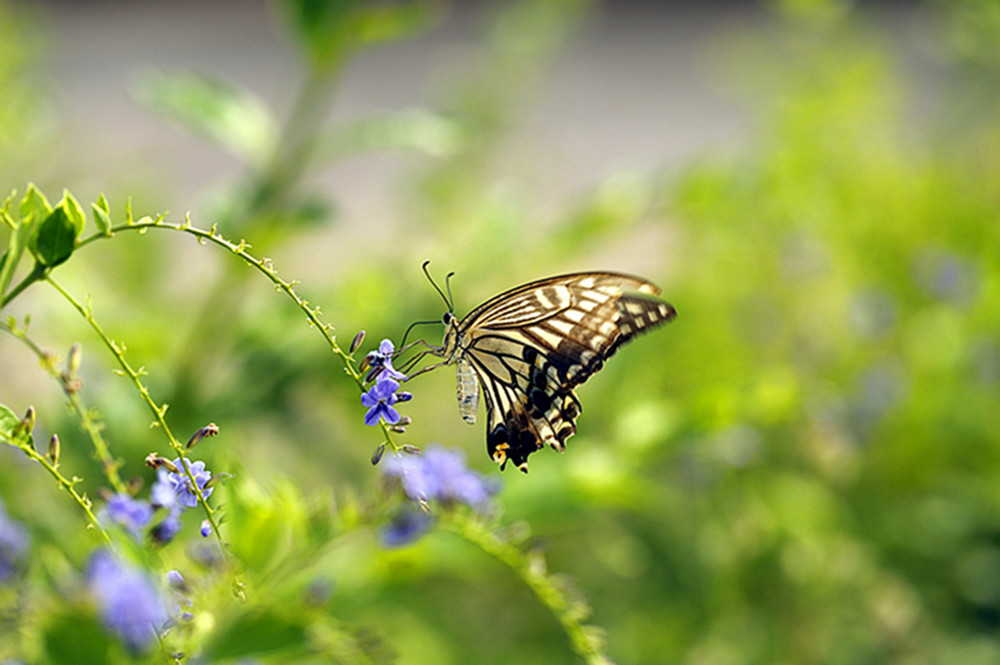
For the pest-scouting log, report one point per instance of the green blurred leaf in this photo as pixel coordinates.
(102, 215)
(417, 130)
(256, 633)
(385, 23)
(8, 421)
(77, 637)
(330, 29)
(56, 238)
(232, 117)
(15, 247)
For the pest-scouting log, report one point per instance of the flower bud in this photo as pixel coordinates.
(54, 449)
(410, 450)
(404, 396)
(25, 426)
(210, 429)
(73, 361)
(377, 455)
(155, 461)
(134, 486)
(356, 342)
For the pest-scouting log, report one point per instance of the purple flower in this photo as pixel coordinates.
(166, 530)
(441, 475)
(130, 604)
(379, 401)
(381, 363)
(14, 544)
(405, 528)
(206, 528)
(174, 578)
(132, 514)
(175, 488)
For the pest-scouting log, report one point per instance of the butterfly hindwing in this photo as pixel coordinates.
(528, 409)
(530, 346)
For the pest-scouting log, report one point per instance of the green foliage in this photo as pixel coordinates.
(803, 468)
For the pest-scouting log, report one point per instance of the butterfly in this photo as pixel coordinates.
(529, 347)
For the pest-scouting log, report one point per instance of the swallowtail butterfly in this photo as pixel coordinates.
(529, 347)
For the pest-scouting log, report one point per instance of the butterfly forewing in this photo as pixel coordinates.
(530, 346)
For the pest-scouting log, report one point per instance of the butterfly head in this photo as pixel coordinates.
(450, 343)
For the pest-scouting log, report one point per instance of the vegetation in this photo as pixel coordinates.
(803, 468)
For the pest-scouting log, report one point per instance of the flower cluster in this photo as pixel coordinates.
(172, 492)
(381, 397)
(13, 544)
(437, 475)
(130, 604)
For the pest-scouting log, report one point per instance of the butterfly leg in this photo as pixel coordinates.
(424, 370)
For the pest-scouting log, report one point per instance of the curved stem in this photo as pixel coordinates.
(586, 641)
(85, 503)
(266, 267)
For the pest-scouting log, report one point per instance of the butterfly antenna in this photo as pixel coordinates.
(451, 299)
(436, 287)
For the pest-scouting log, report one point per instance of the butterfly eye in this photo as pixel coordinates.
(448, 318)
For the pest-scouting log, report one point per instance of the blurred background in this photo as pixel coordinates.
(803, 468)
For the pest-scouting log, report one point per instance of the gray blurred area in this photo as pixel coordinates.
(631, 91)
(640, 86)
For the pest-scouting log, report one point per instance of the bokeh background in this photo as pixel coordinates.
(803, 468)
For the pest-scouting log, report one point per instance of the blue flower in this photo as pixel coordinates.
(132, 514)
(130, 604)
(405, 528)
(381, 363)
(174, 578)
(379, 401)
(175, 488)
(206, 529)
(14, 544)
(439, 474)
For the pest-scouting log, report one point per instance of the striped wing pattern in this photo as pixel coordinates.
(530, 346)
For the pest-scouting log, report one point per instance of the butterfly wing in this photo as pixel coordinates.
(532, 345)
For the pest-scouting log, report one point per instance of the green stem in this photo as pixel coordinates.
(37, 273)
(87, 423)
(264, 266)
(158, 411)
(69, 485)
(585, 640)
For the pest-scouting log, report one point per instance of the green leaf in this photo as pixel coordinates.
(232, 117)
(102, 215)
(73, 212)
(34, 206)
(9, 421)
(56, 238)
(256, 633)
